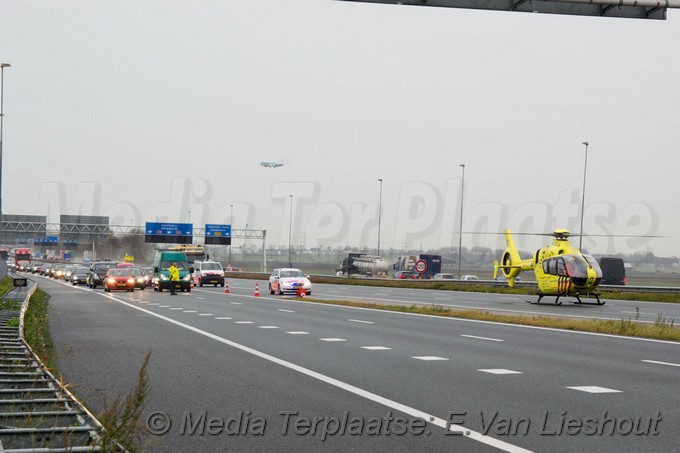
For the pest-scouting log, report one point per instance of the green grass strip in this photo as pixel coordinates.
(37, 329)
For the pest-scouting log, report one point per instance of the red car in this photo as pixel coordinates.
(119, 279)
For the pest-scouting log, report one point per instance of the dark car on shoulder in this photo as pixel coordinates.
(147, 275)
(98, 270)
(137, 275)
(79, 275)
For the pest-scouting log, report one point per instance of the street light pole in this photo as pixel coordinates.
(290, 231)
(231, 221)
(583, 195)
(2, 116)
(379, 214)
(460, 228)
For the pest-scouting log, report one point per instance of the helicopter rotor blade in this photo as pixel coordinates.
(565, 235)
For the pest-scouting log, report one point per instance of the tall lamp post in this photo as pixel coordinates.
(460, 228)
(2, 115)
(231, 221)
(290, 231)
(583, 195)
(379, 213)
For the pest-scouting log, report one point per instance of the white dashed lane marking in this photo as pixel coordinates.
(190, 311)
(500, 371)
(594, 389)
(236, 303)
(429, 357)
(332, 339)
(222, 317)
(163, 306)
(376, 348)
(205, 314)
(244, 322)
(298, 332)
(268, 327)
(360, 321)
(286, 311)
(481, 338)
(662, 363)
(177, 308)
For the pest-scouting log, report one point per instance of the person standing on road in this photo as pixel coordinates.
(174, 278)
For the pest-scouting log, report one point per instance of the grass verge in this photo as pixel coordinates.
(662, 329)
(37, 329)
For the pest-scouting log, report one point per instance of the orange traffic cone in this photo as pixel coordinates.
(226, 287)
(257, 290)
(301, 293)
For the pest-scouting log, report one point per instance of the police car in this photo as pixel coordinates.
(208, 273)
(289, 280)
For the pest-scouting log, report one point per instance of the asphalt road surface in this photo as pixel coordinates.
(233, 372)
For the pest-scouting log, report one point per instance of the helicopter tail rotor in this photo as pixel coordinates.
(511, 264)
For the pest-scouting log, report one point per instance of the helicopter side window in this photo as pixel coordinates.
(552, 266)
(545, 266)
(560, 267)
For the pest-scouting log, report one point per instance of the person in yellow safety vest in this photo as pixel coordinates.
(174, 277)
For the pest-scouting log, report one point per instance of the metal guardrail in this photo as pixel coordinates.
(37, 414)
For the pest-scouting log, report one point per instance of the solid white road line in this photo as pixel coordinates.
(662, 363)
(481, 338)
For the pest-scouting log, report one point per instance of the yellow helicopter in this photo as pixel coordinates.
(560, 268)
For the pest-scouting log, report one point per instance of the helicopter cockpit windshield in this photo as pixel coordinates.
(574, 266)
(594, 264)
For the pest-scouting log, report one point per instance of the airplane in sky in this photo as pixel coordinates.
(273, 164)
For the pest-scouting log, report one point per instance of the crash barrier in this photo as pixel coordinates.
(38, 413)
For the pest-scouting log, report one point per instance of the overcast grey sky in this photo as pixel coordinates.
(146, 110)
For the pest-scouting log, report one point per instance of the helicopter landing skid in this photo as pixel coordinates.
(597, 297)
(540, 296)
